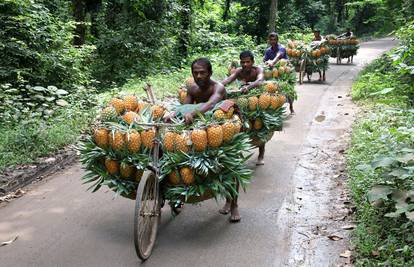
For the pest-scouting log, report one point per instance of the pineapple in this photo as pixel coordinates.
(130, 102)
(274, 104)
(215, 136)
(287, 70)
(281, 70)
(199, 139)
(228, 131)
(281, 100)
(237, 127)
(169, 139)
(117, 140)
(118, 104)
(219, 114)
(271, 87)
(268, 74)
(126, 170)
(181, 142)
(147, 138)
(230, 113)
(141, 106)
(189, 82)
(108, 114)
(182, 94)
(134, 141)
(130, 117)
(138, 175)
(187, 175)
(174, 178)
(275, 73)
(243, 102)
(264, 101)
(258, 124)
(112, 166)
(157, 112)
(253, 103)
(101, 137)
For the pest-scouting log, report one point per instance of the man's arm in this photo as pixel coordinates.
(259, 80)
(232, 77)
(217, 96)
(280, 54)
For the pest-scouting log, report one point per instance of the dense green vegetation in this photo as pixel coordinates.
(381, 158)
(58, 56)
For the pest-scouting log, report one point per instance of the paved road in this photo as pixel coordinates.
(58, 223)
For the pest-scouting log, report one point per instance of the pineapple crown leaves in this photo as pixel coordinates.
(222, 169)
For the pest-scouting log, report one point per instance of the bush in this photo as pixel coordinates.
(36, 47)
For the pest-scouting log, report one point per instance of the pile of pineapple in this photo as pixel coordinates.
(348, 47)
(117, 151)
(284, 75)
(316, 55)
(205, 159)
(262, 110)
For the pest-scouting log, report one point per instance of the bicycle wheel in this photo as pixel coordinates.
(147, 215)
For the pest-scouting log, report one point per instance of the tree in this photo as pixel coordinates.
(273, 15)
(184, 34)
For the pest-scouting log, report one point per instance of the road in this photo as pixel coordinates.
(59, 223)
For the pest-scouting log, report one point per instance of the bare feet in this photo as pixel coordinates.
(235, 215)
(226, 208)
(259, 162)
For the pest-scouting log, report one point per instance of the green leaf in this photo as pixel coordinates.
(405, 158)
(383, 91)
(379, 192)
(382, 162)
(61, 92)
(62, 102)
(39, 88)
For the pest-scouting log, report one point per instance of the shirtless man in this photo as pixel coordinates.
(251, 76)
(317, 35)
(204, 91)
(208, 93)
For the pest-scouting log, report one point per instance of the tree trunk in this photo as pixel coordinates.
(184, 35)
(226, 10)
(79, 13)
(273, 15)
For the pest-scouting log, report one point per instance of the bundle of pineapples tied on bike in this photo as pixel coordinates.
(261, 110)
(118, 149)
(317, 57)
(295, 53)
(206, 159)
(283, 74)
(347, 47)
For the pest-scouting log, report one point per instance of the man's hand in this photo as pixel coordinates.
(168, 117)
(270, 63)
(189, 117)
(244, 89)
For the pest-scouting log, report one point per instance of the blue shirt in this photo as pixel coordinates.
(271, 54)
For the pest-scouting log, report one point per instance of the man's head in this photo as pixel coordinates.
(348, 29)
(246, 60)
(202, 71)
(316, 33)
(273, 38)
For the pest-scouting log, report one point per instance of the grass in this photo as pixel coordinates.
(385, 126)
(25, 142)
